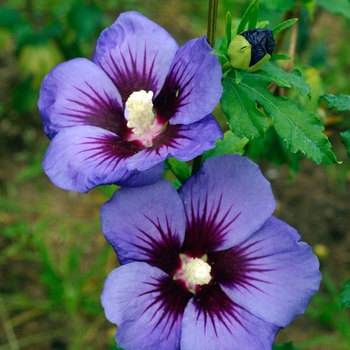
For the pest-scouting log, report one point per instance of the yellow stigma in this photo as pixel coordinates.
(197, 271)
(139, 112)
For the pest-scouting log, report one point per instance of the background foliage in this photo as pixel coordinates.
(53, 258)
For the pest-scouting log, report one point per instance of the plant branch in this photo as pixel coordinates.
(212, 18)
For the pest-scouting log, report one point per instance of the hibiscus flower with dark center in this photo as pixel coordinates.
(141, 99)
(207, 267)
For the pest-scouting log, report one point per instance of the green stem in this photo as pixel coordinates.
(212, 18)
(226, 67)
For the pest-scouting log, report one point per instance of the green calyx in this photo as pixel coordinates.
(259, 64)
(240, 53)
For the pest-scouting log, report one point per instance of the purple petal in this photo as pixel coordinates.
(212, 321)
(184, 142)
(225, 202)
(147, 305)
(193, 86)
(136, 53)
(77, 93)
(272, 274)
(83, 157)
(146, 224)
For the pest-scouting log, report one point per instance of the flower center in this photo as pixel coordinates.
(193, 272)
(197, 271)
(139, 112)
(141, 118)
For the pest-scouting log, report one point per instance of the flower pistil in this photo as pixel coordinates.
(194, 271)
(141, 118)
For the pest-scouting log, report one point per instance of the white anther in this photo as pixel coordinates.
(197, 271)
(139, 112)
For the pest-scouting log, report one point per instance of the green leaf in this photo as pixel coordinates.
(245, 119)
(220, 54)
(284, 25)
(230, 144)
(345, 139)
(249, 15)
(278, 5)
(341, 102)
(262, 24)
(238, 75)
(225, 42)
(253, 19)
(341, 7)
(273, 149)
(180, 169)
(310, 6)
(284, 346)
(344, 299)
(285, 79)
(280, 56)
(300, 130)
(228, 27)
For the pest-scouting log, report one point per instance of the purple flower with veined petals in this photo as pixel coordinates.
(206, 267)
(142, 99)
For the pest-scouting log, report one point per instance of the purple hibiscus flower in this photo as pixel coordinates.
(206, 267)
(142, 99)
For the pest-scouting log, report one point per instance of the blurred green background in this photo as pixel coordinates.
(53, 257)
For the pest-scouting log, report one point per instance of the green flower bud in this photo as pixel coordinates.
(251, 49)
(240, 52)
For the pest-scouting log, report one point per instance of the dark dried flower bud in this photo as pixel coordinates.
(262, 43)
(251, 49)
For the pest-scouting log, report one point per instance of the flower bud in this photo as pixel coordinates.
(251, 49)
